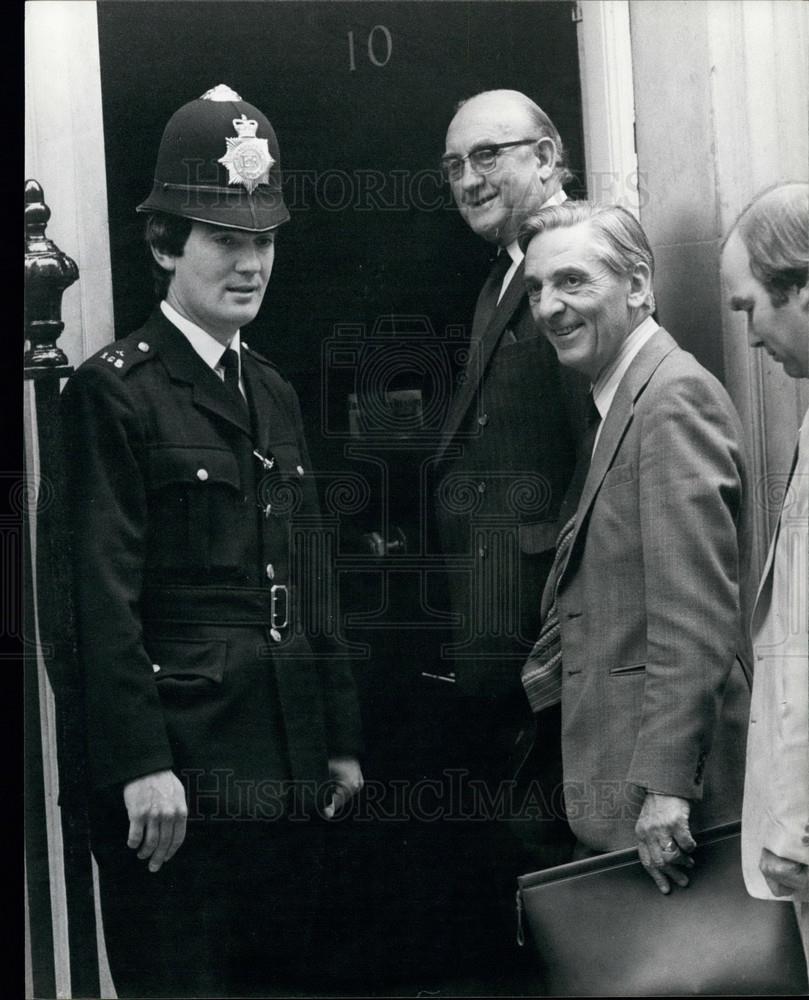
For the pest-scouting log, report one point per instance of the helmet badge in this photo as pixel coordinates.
(247, 157)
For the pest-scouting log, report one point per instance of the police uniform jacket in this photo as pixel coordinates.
(186, 510)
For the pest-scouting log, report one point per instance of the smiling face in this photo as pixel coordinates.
(584, 309)
(495, 204)
(783, 331)
(219, 280)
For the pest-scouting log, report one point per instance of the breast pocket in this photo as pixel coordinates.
(617, 476)
(539, 536)
(511, 351)
(196, 503)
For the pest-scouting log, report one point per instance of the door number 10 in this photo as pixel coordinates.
(374, 44)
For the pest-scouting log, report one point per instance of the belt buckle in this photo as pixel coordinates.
(278, 591)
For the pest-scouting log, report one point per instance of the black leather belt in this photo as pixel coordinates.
(190, 605)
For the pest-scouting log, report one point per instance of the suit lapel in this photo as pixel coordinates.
(480, 352)
(765, 583)
(185, 365)
(618, 419)
(273, 400)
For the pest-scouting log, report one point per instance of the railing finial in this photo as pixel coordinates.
(48, 272)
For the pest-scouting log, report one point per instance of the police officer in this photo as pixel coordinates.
(221, 729)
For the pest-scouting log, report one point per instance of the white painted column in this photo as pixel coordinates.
(64, 151)
(608, 103)
(759, 54)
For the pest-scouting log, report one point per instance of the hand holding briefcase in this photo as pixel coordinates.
(600, 928)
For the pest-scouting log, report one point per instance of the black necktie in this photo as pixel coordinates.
(542, 673)
(487, 300)
(229, 363)
(571, 499)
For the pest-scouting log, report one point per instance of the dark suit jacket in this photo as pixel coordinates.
(172, 540)
(649, 604)
(507, 456)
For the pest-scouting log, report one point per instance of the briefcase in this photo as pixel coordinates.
(600, 927)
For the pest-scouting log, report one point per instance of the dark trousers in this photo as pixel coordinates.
(487, 824)
(520, 826)
(229, 916)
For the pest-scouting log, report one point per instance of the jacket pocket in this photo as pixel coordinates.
(192, 465)
(628, 668)
(538, 536)
(617, 475)
(512, 350)
(188, 661)
(196, 507)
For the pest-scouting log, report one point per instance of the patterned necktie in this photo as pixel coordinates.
(487, 300)
(229, 363)
(542, 673)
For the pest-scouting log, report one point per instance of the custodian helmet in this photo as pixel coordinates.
(219, 162)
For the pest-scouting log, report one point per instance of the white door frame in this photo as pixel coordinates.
(608, 102)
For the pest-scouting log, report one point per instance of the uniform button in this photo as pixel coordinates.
(481, 487)
(276, 635)
(270, 571)
(143, 346)
(202, 475)
(300, 470)
(156, 667)
(483, 419)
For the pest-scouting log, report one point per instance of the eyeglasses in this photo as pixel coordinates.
(482, 160)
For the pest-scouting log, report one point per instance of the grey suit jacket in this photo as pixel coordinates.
(653, 696)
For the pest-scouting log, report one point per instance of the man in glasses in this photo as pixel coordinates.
(509, 442)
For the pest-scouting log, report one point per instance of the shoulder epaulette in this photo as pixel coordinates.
(123, 355)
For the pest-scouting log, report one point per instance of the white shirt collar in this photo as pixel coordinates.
(206, 346)
(606, 385)
(514, 251)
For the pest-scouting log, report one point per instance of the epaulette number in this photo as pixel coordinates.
(114, 358)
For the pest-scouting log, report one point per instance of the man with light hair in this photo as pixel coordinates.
(765, 267)
(641, 613)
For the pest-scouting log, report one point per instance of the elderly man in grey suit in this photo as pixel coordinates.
(642, 628)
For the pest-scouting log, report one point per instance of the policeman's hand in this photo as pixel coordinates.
(784, 877)
(157, 813)
(664, 839)
(347, 776)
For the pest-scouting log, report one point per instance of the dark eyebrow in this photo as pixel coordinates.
(739, 304)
